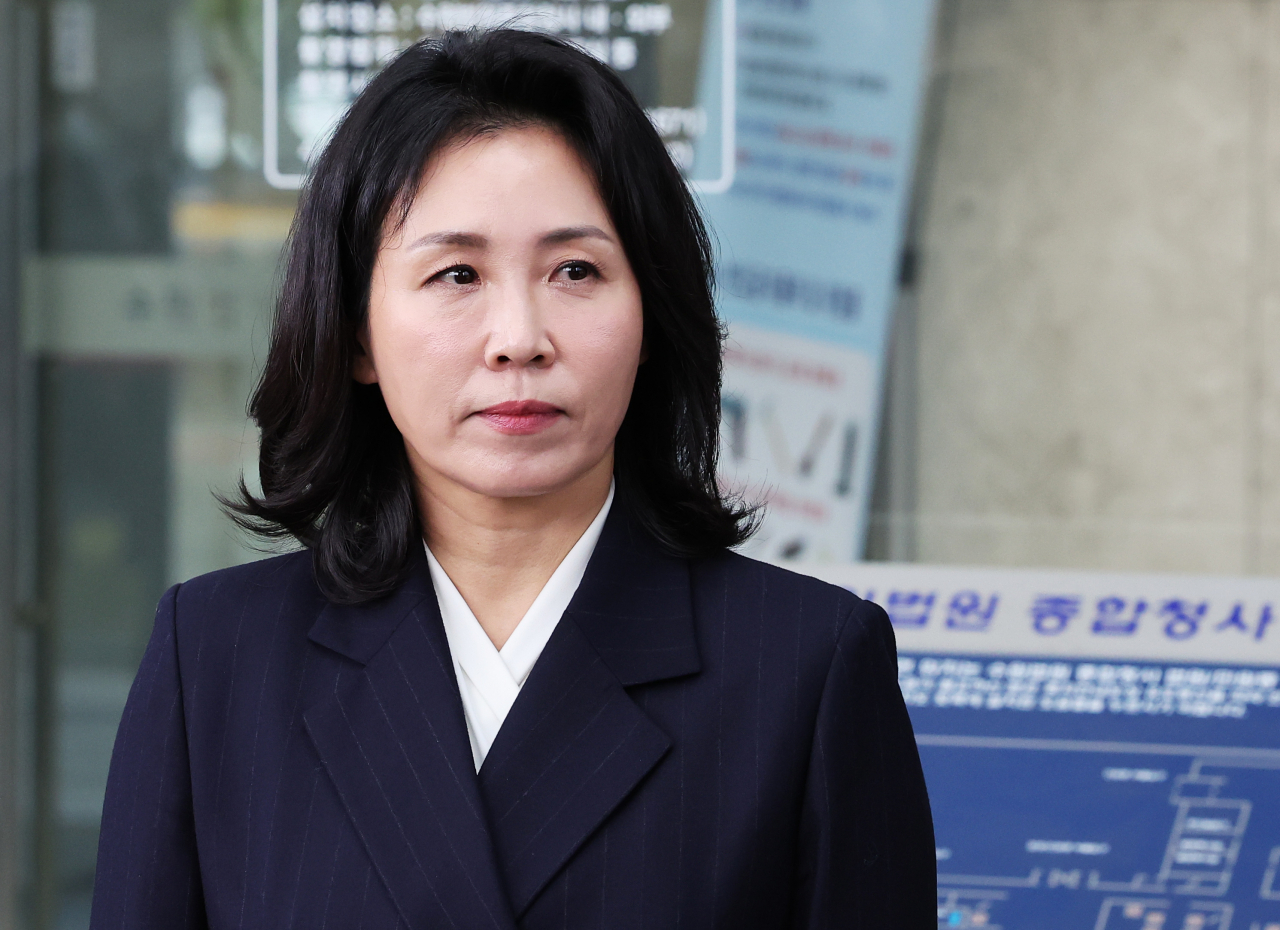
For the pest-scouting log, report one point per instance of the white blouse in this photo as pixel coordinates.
(488, 678)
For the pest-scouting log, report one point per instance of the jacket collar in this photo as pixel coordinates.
(358, 631)
(633, 606)
(575, 744)
(393, 737)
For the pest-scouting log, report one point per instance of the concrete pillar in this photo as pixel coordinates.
(1098, 318)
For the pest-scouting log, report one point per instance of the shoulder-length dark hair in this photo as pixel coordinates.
(334, 471)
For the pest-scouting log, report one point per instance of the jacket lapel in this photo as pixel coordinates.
(575, 744)
(393, 739)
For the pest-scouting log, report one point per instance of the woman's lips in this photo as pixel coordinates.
(521, 417)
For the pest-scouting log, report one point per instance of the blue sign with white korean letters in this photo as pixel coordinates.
(1102, 751)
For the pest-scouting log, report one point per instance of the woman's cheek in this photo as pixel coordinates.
(418, 397)
(611, 387)
(617, 337)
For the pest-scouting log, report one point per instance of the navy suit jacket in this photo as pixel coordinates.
(703, 744)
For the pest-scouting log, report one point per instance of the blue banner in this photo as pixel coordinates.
(828, 102)
(1102, 750)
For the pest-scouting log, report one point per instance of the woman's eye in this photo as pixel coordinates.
(460, 274)
(578, 271)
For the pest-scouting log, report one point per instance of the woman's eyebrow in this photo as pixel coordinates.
(450, 237)
(570, 233)
(476, 241)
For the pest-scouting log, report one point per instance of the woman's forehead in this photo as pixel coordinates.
(525, 182)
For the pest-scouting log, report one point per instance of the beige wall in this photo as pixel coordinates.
(1093, 372)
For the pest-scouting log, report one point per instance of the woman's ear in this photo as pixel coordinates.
(362, 369)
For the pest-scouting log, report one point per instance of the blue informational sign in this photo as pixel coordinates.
(828, 104)
(1052, 816)
(1102, 751)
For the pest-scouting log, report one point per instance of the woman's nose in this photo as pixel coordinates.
(518, 337)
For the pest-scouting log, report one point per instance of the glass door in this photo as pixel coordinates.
(151, 243)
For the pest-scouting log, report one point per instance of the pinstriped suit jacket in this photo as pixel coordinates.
(706, 744)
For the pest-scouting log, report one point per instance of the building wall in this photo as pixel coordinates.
(1094, 372)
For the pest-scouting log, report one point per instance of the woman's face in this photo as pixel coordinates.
(505, 324)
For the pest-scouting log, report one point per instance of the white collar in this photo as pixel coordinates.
(490, 679)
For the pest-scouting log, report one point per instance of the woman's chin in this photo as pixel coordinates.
(523, 480)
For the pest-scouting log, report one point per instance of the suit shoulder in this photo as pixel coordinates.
(789, 596)
(287, 569)
(251, 587)
(733, 568)
(755, 618)
(230, 624)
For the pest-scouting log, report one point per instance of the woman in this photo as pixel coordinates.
(514, 678)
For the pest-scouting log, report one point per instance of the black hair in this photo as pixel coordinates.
(334, 471)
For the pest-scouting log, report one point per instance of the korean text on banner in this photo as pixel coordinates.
(829, 95)
(1102, 750)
